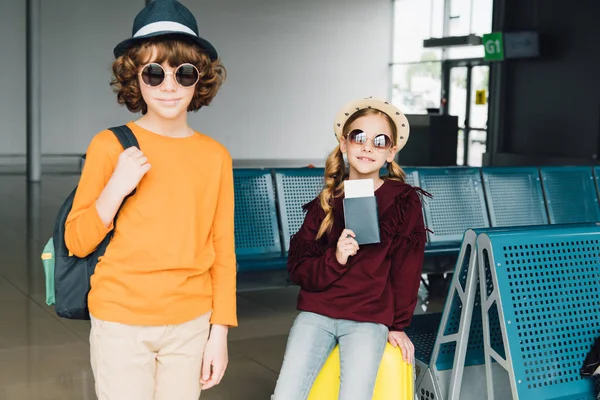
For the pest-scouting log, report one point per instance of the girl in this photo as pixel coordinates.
(351, 295)
(163, 295)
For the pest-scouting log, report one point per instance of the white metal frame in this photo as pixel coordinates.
(447, 384)
(484, 249)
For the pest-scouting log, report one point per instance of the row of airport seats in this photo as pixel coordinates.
(268, 204)
(520, 316)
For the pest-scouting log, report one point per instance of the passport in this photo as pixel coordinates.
(361, 216)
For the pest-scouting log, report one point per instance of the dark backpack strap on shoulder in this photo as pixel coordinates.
(125, 136)
(127, 139)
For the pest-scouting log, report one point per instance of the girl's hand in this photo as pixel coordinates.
(346, 246)
(400, 339)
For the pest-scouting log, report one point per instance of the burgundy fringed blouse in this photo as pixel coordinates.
(380, 284)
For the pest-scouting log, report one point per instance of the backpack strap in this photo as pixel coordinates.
(125, 136)
(127, 139)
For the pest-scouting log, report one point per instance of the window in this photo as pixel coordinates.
(417, 86)
(469, 17)
(416, 71)
(414, 21)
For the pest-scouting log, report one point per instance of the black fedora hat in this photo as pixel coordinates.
(162, 18)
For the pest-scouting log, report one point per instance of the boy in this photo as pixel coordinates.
(162, 297)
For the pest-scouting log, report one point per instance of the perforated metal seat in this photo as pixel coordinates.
(458, 203)
(514, 196)
(545, 286)
(475, 346)
(257, 241)
(422, 333)
(295, 187)
(570, 194)
(412, 177)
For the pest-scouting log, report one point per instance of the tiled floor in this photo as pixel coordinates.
(43, 357)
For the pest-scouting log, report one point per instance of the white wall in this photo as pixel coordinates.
(291, 64)
(78, 37)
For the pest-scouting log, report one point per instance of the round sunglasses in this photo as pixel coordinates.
(186, 75)
(380, 142)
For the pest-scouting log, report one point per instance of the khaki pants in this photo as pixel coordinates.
(148, 362)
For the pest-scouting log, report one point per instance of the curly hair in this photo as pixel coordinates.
(335, 170)
(176, 51)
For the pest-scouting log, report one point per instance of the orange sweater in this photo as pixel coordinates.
(172, 257)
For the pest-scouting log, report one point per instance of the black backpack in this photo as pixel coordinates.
(71, 273)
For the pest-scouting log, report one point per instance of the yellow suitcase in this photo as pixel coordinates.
(395, 378)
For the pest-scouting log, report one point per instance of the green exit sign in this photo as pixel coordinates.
(493, 43)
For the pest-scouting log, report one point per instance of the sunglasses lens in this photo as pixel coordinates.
(153, 75)
(382, 141)
(186, 75)
(357, 137)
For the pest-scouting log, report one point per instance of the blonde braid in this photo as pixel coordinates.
(395, 172)
(335, 171)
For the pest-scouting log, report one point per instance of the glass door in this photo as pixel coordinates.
(478, 115)
(468, 92)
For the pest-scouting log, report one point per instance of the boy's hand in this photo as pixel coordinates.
(346, 246)
(400, 339)
(130, 169)
(215, 357)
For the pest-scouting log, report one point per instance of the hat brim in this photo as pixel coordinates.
(400, 120)
(204, 44)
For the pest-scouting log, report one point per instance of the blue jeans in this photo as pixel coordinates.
(311, 340)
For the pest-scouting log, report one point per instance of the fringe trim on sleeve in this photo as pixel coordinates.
(301, 248)
(393, 219)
